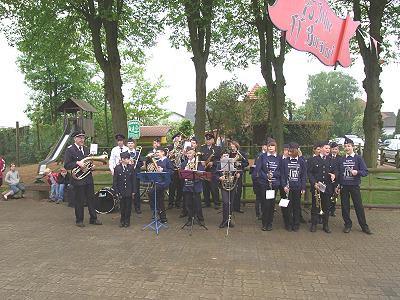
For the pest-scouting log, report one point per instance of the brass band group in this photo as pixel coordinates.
(330, 176)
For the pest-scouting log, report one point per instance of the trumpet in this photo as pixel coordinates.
(79, 173)
(317, 195)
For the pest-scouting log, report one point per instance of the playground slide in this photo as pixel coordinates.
(55, 151)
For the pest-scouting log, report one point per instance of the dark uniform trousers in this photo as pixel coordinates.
(238, 194)
(227, 200)
(175, 190)
(325, 205)
(211, 187)
(136, 198)
(291, 213)
(160, 192)
(354, 191)
(126, 209)
(259, 204)
(268, 207)
(82, 193)
(193, 205)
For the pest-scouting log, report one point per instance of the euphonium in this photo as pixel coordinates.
(318, 201)
(79, 173)
(230, 180)
(152, 167)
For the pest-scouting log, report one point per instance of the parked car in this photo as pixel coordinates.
(390, 148)
(357, 140)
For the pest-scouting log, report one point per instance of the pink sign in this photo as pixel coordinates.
(312, 26)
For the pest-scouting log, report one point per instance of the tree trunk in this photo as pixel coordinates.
(277, 106)
(201, 96)
(372, 123)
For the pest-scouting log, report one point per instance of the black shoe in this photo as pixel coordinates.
(96, 222)
(269, 227)
(295, 228)
(347, 229)
(121, 225)
(313, 228)
(264, 228)
(80, 224)
(366, 230)
(163, 220)
(178, 205)
(127, 225)
(138, 211)
(326, 229)
(223, 224)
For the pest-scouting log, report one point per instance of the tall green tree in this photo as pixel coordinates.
(224, 108)
(144, 102)
(332, 96)
(114, 30)
(194, 25)
(380, 22)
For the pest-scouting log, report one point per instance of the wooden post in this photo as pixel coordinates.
(17, 144)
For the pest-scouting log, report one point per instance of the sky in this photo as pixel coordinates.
(177, 70)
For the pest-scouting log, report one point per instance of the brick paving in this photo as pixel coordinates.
(44, 256)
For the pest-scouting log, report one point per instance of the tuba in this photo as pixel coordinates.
(230, 180)
(79, 173)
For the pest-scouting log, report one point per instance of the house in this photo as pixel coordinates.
(149, 133)
(389, 122)
(190, 112)
(175, 117)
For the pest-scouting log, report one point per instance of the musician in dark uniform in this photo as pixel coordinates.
(83, 189)
(316, 151)
(351, 168)
(192, 189)
(293, 181)
(134, 156)
(241, 163)
(124, 185)
(322, 171)
(227, 195)
(335, 156)
(256, 186)
(175, 187)
(211, 154)
(163, 165)
(268, 172)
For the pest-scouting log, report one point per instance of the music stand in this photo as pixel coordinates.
(228, 165)
(193, 175)
(155, 178)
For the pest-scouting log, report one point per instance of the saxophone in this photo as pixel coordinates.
(79, 173)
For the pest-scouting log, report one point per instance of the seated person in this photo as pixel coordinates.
(13, 180)
(52, 179)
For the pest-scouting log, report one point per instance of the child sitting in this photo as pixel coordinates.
(63, 180)
(52, 180)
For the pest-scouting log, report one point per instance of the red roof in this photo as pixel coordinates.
(251, 95)
(154, 130)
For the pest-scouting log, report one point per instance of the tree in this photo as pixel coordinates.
(380, 19)
(332, 97)
(144, 104)
(225, 111)
(184, 126)
(193, 23)
(357, 127)
(397, 130)
(107, 26)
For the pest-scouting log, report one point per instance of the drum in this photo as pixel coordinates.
(105, 201)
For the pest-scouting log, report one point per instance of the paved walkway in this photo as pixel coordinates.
(44, 256)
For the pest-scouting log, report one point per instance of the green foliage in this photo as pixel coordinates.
(144, 103)
(307, 132)
(260, 109)
(185, 127)
(397, 130)
(225, 110)
(357, 127)
(332, 97)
